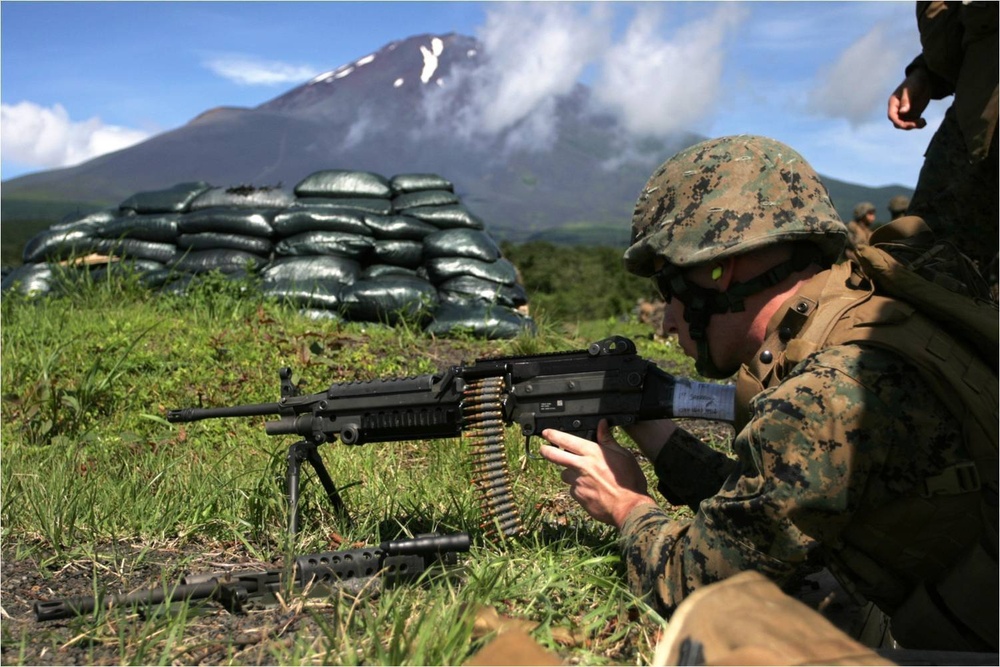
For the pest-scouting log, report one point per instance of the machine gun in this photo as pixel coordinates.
(568, 391)
(394, 562)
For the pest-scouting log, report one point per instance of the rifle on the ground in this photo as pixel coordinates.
(568, 391)
(393, 562)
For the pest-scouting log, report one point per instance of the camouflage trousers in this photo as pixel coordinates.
(958, 198)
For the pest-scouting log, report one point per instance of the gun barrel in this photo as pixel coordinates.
(78, 606)
(197, 414)
(428, 544)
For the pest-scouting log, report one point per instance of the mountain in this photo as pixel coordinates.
(409, 107)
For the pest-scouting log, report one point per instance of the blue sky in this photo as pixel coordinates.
(78, 79)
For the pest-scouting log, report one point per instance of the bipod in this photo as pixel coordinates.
(305, 450)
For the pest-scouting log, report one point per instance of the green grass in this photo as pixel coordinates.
(93, 477)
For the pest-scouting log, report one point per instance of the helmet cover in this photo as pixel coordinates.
(726, 197)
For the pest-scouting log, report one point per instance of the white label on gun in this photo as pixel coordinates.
(704, 400)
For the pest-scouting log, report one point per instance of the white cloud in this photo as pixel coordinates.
(47, 137)
(657, 86)
(536, 52)
(856, 86)
(245, 70)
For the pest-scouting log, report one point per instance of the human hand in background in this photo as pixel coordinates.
(908, 101)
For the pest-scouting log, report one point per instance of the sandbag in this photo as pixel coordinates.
(242, 197)
(404, 183)
(440, 269)
(230, 220)
(137, 267)
(212, 240)
(305, 218)
(447, 217)
(341, 244)
(389, 299)
(482, 320)
(181, 284)
(423, 198)
(176, 199)
(344, 183)
(309, 270)
(461, 242)
(159, 277)
(376, 270)
(157, 227)
(400, 227)
(370, 205)
(222, 260)
(60, 244)
(29, 279)
(94, 220)
(312, 282)
(136, 249)
(464, 288)
(401, 253)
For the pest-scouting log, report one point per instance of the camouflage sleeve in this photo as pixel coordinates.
(688, 470)
(804, 461)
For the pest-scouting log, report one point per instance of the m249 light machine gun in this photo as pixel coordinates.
(568, 391)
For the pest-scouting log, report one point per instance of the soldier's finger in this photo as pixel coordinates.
(569, 442)
(559, 456)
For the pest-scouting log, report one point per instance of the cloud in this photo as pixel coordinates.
(245, 70)
(658, 86)
(534, 52)
(47, 137)
(856, 86)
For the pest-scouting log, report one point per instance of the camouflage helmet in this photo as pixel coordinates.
(726, 197)
(861, 209)
(899, 204)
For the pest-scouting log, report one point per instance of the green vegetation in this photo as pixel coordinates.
(95, 482)
(577, 283)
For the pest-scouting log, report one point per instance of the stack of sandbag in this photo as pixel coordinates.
(228, 230)
(326, 247)
(478, 290)
(349, 244)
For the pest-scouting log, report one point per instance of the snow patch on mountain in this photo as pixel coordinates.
(431, 58)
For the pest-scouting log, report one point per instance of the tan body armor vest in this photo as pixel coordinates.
(958, 608)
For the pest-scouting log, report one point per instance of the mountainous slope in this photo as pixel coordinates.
(405, 108)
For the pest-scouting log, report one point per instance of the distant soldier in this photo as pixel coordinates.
(898, 206)
(957, 190)
(861, 227)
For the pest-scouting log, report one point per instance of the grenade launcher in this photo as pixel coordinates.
(568, 391)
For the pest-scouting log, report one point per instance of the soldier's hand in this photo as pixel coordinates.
(603, 476)
(907, 103)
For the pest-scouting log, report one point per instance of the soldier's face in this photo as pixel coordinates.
(727, 332)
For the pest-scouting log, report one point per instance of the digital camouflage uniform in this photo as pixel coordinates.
(832, 455)
(957, 191)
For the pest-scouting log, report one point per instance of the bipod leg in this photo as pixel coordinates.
(305, 450)
(297, 453)
(312, 455)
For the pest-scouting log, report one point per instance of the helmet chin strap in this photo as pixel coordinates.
(700, 303)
